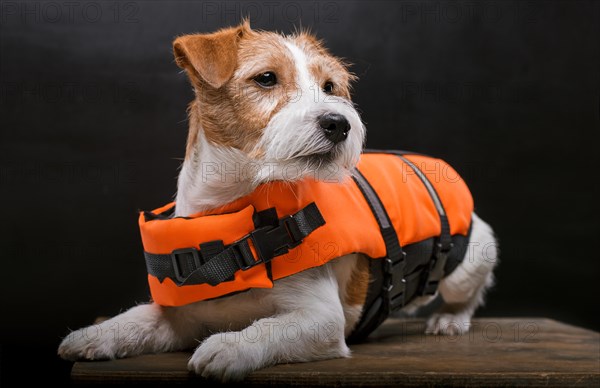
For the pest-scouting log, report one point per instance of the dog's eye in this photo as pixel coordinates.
(266, 80)
(328, 87)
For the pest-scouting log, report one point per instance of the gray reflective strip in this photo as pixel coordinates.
(372, 198)
(428, 186)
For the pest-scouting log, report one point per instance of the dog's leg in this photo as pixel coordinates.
(464, 289)
(150, 328)
(308, 325)
(146, 328)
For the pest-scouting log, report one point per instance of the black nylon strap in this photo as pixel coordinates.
(308, 219)
(444, 242)
(388, 232)
(189, 266)
(460, 244)
(387, 286)
(220, 268)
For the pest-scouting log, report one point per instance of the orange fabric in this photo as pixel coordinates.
(349, 226)
(162, 237)
(451, 188)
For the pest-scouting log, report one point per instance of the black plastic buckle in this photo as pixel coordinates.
(244, 260)
(272, 241)
(176, 266)
(436, 271)
(395, 286)
(440, 249)
(436, 268)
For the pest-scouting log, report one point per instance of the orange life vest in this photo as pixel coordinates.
(394, 201)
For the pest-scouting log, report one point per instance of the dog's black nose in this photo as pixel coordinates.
(335, 127)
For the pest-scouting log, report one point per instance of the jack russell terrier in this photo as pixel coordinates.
(272, 129)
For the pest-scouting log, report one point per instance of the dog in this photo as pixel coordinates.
(260, 98)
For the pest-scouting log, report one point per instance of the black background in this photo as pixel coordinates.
(94, 127)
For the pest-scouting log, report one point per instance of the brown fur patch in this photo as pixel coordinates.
(356, 289)
(209, 58)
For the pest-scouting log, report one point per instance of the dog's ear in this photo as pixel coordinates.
(210, 57)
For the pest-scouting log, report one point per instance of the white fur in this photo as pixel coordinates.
(308, 325)
(213, 176)
(303, 76)
(303, 317)
(464, 289)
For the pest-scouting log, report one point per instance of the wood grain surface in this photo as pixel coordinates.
(496, 352)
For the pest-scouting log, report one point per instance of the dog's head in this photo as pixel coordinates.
(280, 103)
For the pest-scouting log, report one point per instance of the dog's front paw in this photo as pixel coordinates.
(225, 359)
(448, 324)
(85, 344)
